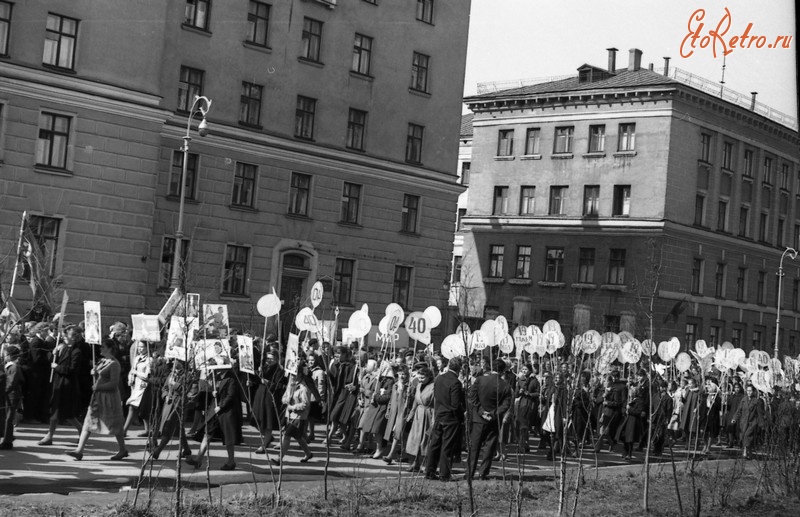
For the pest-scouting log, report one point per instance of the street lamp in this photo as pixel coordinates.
(200, 105)
(792, 253)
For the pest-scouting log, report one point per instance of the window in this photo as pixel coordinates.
(250, 107)
(258, 23)
(196, 14)
(691, 334)
(5, 25)
(59, 41)
(744, 221)
(356, 128)
(523, 262)
(761, 288)
(52, 145)
(176, 172)
(616, 267)
(410, 214)
(496, 253)
(785, 176)
(312, 39)
(419, 72)
(414, 143)
(299, 194)
(462, 212)
(611, 323)
(705, 147)
(362, 52)
(796, 244)
(714, 333)
(304, 117)
(563, 140)
(505, 142)
(586, 266)
(190, 85)
(558, 200)
(343, 281)
(351, 197)
(597, 139)
(554, 265)
(622, 200)
(780, 231)
(741, 285)
(167, 258)
(699, 209)
(244, 185)
(235, 274)
(736, 337)
(500, 206)
(763, 225)
(402, 286)
(425, 11)
(527, 200)
(591, 199)
(45, 237)
(767, 170)
(532, 140)
(548, 315)
(465, 170)
(727, 156)
(748, 163)
(697, 276)
(719, 281)
(795, 295)
(457, 265)
(722, 215)
(757, 334)
(627, 137)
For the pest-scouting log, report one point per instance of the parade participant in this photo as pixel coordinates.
(41, 343)
(614, 400)
(150, 406)
(580, 410)
(527, 413)
(662, 413)
(421, 418)
(319, 408)
(710, 414)
(632, 427)
(545, 395)
(373, 421)
(396, 415)
(732, 404)
(367, 390)
(171, 418)
(489, 398)
(104, 415)
(267, 399)
(13, 385)
(296, 400)
(65, 393)
(137, 381)
(558, 407)
(677, 391)
(690, 421)
(449, 404)
(223, 418)
(344, 387)
(750, 417)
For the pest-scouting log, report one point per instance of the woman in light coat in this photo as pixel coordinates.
(421, 418)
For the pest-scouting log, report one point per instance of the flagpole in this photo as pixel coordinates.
(19, 248)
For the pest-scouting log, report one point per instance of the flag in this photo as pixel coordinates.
(675, 312)
(33, 258)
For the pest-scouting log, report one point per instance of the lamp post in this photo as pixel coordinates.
(200, 105)
(792, 253)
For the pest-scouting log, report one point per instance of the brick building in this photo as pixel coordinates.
(331, 153)
(579, 187)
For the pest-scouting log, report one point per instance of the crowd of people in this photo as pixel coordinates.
(423, 409)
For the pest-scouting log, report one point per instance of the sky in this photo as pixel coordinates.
(531, 39)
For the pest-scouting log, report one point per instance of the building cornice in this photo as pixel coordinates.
(565, 224)
(303, 153)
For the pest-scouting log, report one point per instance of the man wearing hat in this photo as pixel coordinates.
(15, 380)
(490, 397)
(448, 409)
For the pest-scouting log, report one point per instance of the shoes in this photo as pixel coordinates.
(432, 476)
(143, 434)
(261, 450)
(378, 454)
(388, 460)
(306, 458)
(228, 466)
(359, 451)
(121, 455)
(412, 468)
(5, 446)
(75, 454)
(275, 462)
(186, 453)
(156, 455)
(44, 442)
(194, 462)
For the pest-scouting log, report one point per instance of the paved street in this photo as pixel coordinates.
(30, 468)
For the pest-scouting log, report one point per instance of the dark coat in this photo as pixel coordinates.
(690, 420)
(491, 394)
(449, 403)
(65, 399)
(710, 418)
(268, 397)
(750, 416)
(528, 406)
(635, 414)
(227, 423)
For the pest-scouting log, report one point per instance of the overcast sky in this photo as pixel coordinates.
(522, 39)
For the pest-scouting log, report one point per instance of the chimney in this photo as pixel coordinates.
(612, 60)
(753, 101)
(666, 66)
(635, 60)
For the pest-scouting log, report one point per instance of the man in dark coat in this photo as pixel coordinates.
(343, 383)
(490, 397)
(448, 410)
(38, 385)
(65, 399)
(750, 416)
(14, 383)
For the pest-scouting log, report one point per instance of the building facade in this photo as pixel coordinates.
(623, 196)
(332, 145)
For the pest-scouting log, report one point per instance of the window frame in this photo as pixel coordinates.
(409, 219)
(425, 11)
(191, 19)
(741, 285)
(350, 210)
(176, 171)
(558, 198)
(235, 272)
(705, 147)
(500, 200)
(586, 263)
(420, 72)
(505, 142)
(597, 138)
(47, 233)
(563, 139)
(466, 169)
(299, 195)
(554, 264)
(402, 285)
(343, 276)
(241, 180)
(63, 56)
(250, 104)
(527, 204)
(255, 20)
(189, 87)
(696, 279)
(311, 40)
(496, 258)
(616, 266)
(523, 269)
(362, 54)
(621, 203)
(591, 200)
(728, 154)
(5, 26)
(304, 117)
(356, 129)
(533, 141)
(414, 141)
(720, 274)
(626, 139)
(168, 259)
(47, 137)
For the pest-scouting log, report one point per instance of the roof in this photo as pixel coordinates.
(466, 124)
(623, 78)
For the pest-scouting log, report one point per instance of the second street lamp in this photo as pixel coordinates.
(793, 254)
(200, 105)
